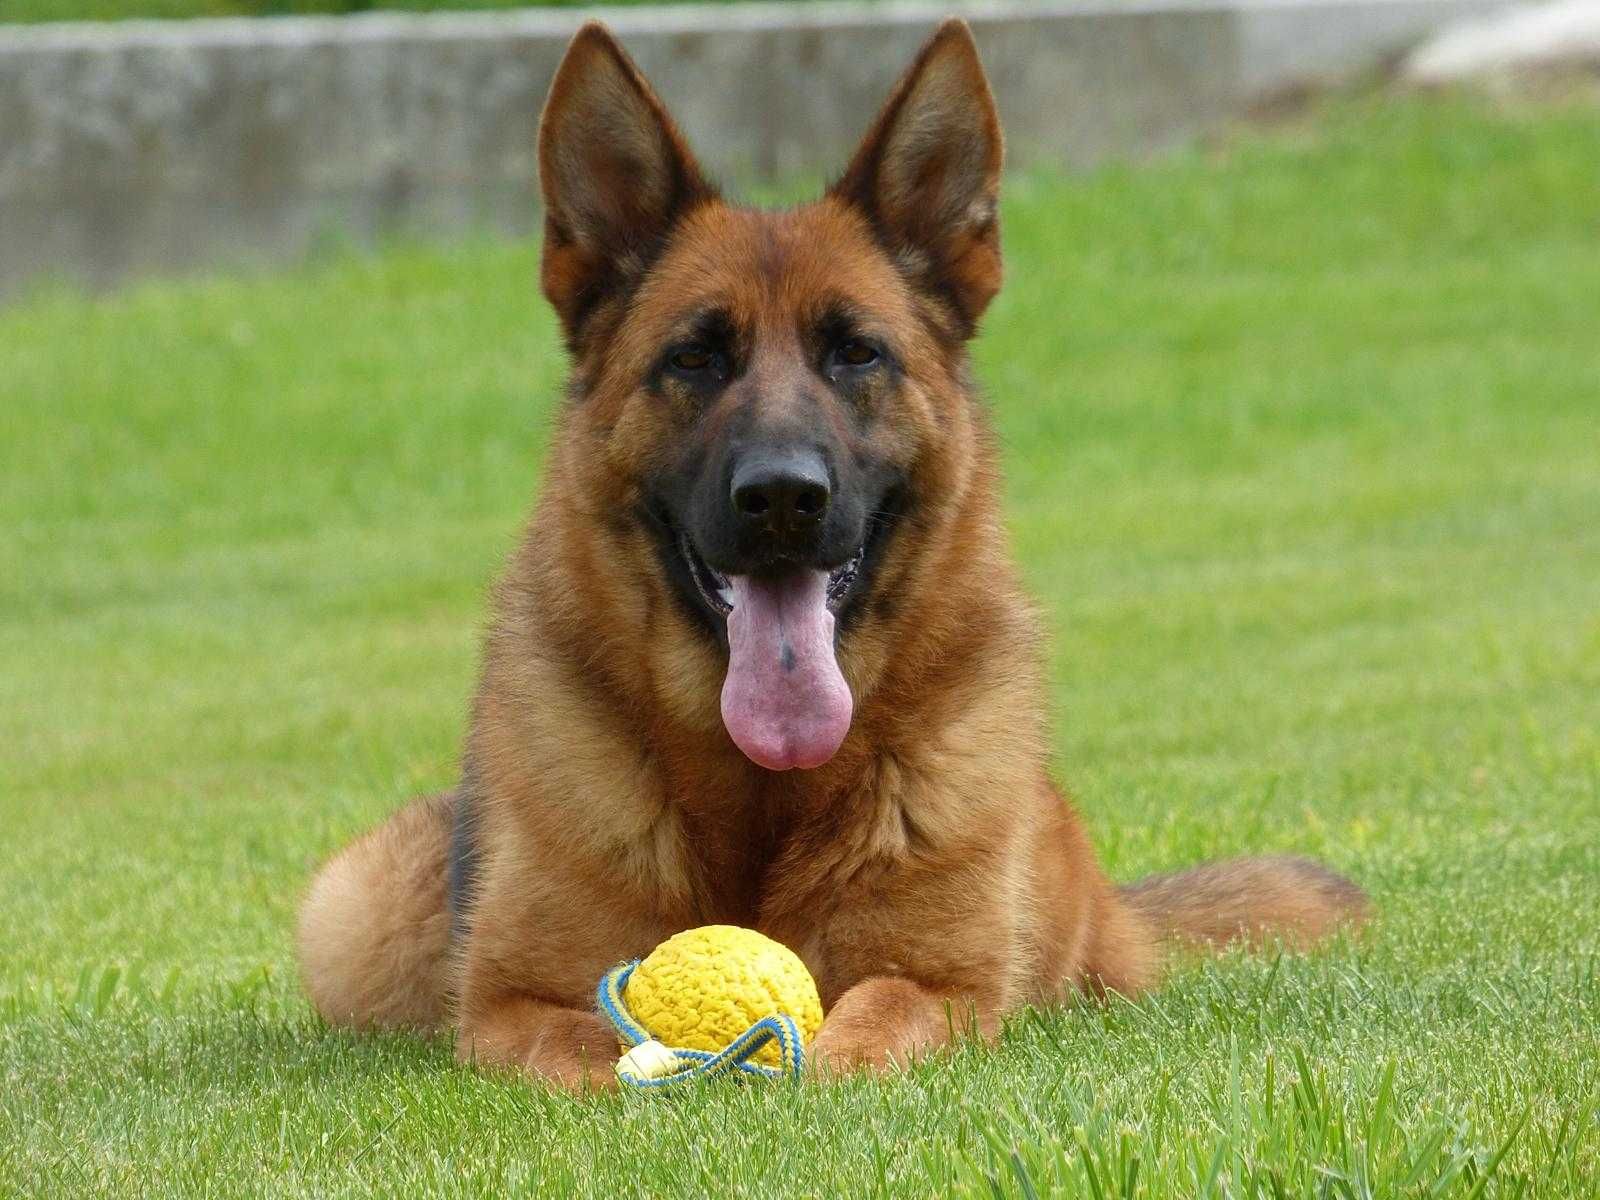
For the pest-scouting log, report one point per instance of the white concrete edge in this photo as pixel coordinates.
(1565, 33)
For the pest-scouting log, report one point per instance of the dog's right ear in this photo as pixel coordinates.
(615, 173)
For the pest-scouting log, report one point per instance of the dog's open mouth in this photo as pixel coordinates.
(785, 701)
(718, 593)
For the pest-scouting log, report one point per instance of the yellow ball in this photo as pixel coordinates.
(701, 988)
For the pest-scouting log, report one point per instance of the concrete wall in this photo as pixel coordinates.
(141, 147)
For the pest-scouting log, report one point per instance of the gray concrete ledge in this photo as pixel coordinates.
(141, 147)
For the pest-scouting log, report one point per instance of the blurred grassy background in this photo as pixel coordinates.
(1303, 446)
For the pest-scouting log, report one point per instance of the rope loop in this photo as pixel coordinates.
(737, 1057)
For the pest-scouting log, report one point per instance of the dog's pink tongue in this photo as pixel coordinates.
(784, 702)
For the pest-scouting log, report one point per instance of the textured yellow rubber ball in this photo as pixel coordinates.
(701, 988)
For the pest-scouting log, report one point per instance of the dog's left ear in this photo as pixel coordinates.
(927, 175)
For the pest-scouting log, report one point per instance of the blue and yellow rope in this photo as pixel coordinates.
(737, 1055)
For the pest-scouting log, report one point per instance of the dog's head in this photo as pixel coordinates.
(770, 398)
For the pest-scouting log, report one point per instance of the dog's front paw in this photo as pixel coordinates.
(878, 1025)
(566, 1047)
(843, 1055)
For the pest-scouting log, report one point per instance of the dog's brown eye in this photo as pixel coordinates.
(692, 358)
(856, 353)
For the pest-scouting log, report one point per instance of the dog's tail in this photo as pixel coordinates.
(374, 934)
(1281, 897)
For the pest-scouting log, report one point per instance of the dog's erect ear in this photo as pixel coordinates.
(928, 173)
(615, 173)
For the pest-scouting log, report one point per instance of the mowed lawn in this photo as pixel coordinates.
(1303, 439)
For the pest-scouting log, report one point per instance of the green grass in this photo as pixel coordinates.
(1303, 439)
(118, 10)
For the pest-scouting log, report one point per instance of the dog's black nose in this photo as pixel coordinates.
(783, 492)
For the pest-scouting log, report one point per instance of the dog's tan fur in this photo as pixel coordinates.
(930, 867)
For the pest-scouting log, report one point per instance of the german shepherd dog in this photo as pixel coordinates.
(761, 657)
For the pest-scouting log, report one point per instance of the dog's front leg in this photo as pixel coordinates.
(903, 975)
(887, 1020)
(565, 1046)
